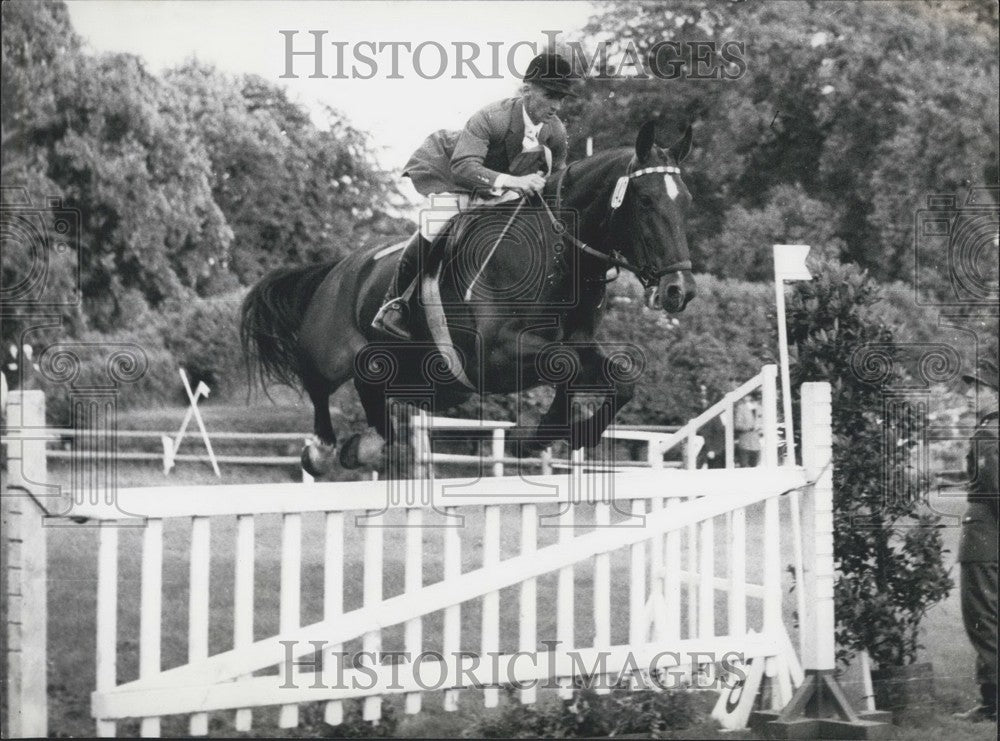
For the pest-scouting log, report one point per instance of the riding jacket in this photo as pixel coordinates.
(472, 159)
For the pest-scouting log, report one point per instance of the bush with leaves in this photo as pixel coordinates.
(203, 337)
(353, 724)
(589, 715)
(723, 337)
(81, 365)
(887, 542)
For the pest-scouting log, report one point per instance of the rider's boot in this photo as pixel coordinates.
(394, 316)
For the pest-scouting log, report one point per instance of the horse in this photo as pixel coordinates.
(512, 301)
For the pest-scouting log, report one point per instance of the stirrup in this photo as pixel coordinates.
(387, 305)
(392, 318)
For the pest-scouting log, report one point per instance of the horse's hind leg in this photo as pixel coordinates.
(365, 449)
(319, 453)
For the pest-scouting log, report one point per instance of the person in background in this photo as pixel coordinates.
(977, 551)
(746, 431)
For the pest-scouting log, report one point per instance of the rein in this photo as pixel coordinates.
(645, 274)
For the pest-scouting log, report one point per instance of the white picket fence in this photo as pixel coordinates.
(659, 532)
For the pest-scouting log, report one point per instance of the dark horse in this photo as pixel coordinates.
(518, 303)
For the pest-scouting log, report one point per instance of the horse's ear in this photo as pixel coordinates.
(682, 147)
(644, 141)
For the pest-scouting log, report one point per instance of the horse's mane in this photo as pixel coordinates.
(590, 173)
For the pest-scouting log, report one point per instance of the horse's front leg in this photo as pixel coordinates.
(366, 448)
(580, 371)
(610, 379)
(552, 427)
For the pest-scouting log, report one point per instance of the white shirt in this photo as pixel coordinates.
(530, 132)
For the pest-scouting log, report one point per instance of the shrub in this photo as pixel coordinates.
(588, 715)
(200, 337)
(723, 336)
(353, 725)
(203, 338)
(98, 362)
(887, 543)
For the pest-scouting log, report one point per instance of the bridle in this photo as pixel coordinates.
(646, 275)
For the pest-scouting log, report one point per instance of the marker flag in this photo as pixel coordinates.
(790, 262)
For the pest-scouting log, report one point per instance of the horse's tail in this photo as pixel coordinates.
(269, 322)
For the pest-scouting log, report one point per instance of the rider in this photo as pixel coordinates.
(503, 149)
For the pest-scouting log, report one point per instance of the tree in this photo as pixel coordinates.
(292, 192)
(864, 108)
(38, 49)
(112, 141)
(185, 185)
(788, 216)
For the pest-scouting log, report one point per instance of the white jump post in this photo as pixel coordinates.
(819, 708)
(24, 573)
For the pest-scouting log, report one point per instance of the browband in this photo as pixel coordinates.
(659, 168)
(622, 185)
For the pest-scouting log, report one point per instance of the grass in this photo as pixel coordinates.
(72, 590)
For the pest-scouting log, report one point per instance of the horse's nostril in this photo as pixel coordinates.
(673, 299)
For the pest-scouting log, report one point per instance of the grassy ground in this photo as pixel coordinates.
(72, 601)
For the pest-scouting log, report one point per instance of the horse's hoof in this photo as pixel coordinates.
(370, 449)
(317, 458)
(362, 450)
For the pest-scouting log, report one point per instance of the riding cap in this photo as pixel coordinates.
(552, 72)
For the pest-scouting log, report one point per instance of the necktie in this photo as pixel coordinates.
(530, 137)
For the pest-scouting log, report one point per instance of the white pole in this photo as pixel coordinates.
(25, 569)
(786, 384)
(817, 455)
(866, 681)
(789, 264)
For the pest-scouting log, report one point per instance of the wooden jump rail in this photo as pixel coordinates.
(659, 440)
(57, 433)
(642, 514)
(619, 432)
